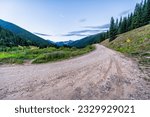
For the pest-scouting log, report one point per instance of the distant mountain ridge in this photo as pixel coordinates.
(88, 40)
(81, 43)
(32, 39)
(38, 41)
(64, 43)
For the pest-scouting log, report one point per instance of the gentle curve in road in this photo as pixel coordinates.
(101, 74)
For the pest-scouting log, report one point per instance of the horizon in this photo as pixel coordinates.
(64, 20)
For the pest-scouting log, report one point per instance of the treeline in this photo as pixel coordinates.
(8, 39)
(136, 19)
(30, 38)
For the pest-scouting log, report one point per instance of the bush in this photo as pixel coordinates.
(58, 55)
(20, 54)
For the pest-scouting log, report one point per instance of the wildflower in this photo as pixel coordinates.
(128, 40)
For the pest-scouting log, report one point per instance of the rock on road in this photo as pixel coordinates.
(101, 74)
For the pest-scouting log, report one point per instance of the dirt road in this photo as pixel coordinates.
(101, 74)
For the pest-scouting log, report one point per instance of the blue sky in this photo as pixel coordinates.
(61, 20)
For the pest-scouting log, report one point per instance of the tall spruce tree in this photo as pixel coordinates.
(148, 12)
(113, 29)
(119, 27)
(129, 22)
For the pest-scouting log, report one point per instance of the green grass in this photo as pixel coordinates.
(18, 55)
(135, 44)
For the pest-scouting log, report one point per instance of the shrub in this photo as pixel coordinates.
(58, 55)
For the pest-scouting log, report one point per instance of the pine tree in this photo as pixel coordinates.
(144, 13)
(137, 17)
(129, 22)
(113, 30)
(148, 12)
(119, 27)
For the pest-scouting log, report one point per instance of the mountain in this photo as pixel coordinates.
(37, 41)
(64, 43)
(87, 41)
(51, 42)
(9, 39)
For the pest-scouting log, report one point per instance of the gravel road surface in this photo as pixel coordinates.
(101, 74)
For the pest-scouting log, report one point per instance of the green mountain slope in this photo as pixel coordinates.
(136, 44)
(25, 34)
(8, 39)
(88, 40)
(133, 42)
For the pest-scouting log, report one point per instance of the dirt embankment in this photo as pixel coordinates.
(101, 74)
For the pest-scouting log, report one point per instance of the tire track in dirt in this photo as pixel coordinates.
(120, 88)
(101, 74)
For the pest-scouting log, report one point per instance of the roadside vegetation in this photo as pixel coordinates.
(20, 55)
(135, 44)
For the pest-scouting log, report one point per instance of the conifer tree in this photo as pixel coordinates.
(113, 30)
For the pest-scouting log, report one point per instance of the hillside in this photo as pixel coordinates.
(25, 34)
(8, 39)
(87, 41)
(136, 44)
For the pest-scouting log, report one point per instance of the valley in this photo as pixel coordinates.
(57, 54)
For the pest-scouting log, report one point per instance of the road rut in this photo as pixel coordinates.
(101, 74)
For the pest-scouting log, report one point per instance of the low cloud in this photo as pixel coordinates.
(82, 20)
(90, 30)
(124, 12)
(70, 35)
(41, 34)
(105, 26)
(82, 33)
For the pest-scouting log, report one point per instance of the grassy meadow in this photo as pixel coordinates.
(35, 55)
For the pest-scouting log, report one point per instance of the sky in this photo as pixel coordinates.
(63, 20)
